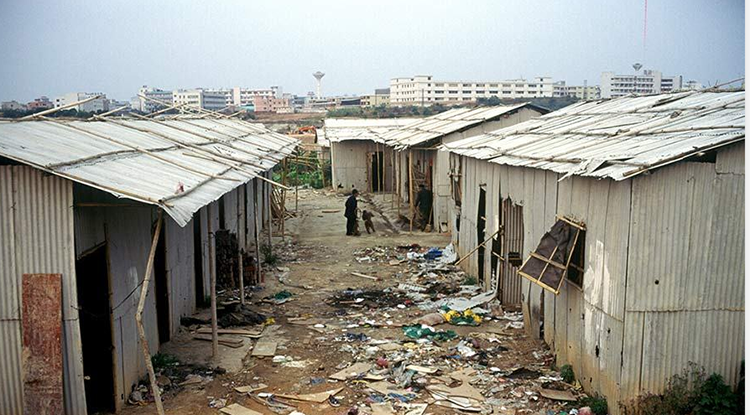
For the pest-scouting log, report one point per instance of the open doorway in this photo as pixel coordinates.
(200, 299)
(161, 288)
(481, 225)
(377, 171)
(95, 320)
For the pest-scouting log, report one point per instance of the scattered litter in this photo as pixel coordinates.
(353, 371)
(370, 277)
(558, 395)
(224, 341)
(423, 331)
(237, 409)
(264, 349)
(238, 332)
(217, 403)
(250, 388)
(319, 397)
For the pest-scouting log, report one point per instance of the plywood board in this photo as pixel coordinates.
(318, 397)
(352, 371)
(237, 409)
(42, 346)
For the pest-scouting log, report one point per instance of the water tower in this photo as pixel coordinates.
(318, 76)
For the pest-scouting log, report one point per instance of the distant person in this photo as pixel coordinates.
(351, 213)
(367, 218)
(424, 204)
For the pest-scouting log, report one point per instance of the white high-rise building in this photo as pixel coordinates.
(650, 82)
(155, 94)
(424, 90)
(201, 98)
(100, 104)
(246, 96)
(583, 92)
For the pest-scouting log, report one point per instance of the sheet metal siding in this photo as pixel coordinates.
(180, 271)
(43, 243)
(350, 165)
(11, 388)
(731, 159)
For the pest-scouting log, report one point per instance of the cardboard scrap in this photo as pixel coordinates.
(384, 408)
(422, 369)
(264, 348)
(250, 388)
(384, 388)
(352, 371)
(416, 408)
(319, 397)
(556, 395)
(389, 347)
(237, 409)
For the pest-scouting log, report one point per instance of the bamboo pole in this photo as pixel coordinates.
(411, 191)
(52, 110)
(241, 191)
(296, 181)
(139, 316)
(282, 206)
(270, 221)
(398, 187)
(379, 159)
(212, 273)
(257, 230)
(477, 247)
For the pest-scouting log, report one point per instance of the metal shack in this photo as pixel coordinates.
(359, 159)
(80, 198)
(629, 217)
(418, 142)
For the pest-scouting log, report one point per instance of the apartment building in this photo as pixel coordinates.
(582, 92)
(213, 100)
(382, 96)
(152, 95)
(424, 90)
(649, 82)
(272, 104)
(42, 103)
(246, 96)
(100, 104)
(12, 106)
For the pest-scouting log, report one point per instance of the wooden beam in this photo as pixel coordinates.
(53, 110)
(212, 274)
(477, 247)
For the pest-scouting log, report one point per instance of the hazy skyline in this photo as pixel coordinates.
(51, 48)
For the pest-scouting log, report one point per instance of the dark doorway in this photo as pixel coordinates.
(92, 284)
(481, 224)
(200, 300)
(162, 288)
(377, 171)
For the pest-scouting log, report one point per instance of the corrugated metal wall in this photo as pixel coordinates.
(624, 333)
(36, 219)
(350, 165)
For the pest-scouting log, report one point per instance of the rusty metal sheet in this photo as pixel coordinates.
(42, 343)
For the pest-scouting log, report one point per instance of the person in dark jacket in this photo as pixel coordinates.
(424, 204)
(351, 213)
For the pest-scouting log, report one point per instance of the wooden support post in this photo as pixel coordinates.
(398, 188)
(257, 231)
(282, 207)
(411, 191)
(378, 172)
(212, 274)
(478, 246)
(139, 316)
(241, 228)
(296, 181)
(270, 220)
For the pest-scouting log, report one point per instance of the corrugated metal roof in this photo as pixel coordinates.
(617, 138)
(344, 129)
(179, 165)
(444, 123)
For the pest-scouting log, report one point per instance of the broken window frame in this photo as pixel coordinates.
(580, 229)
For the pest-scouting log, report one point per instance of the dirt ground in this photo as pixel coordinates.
(318, 337)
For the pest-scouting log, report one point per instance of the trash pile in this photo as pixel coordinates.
(172, 377)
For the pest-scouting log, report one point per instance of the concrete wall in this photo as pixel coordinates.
(351, 165)
(664, 269)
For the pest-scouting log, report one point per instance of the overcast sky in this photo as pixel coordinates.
(54, 47)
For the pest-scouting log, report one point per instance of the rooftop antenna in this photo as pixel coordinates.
(318, 76)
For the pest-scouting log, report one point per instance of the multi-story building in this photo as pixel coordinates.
(246, 96)
(650, 82)
(41, 103)
(583, 92)
(424, 90)
(100, 104)
(382, 96)
(155, 96)
(213, 100)
(272, 104)
(12, 106)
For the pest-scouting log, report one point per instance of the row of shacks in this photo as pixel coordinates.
(617, 226)
(83, 198)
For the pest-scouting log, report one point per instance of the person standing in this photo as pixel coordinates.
(351, 213)
(424, 204)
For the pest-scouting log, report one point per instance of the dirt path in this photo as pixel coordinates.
(316, 338)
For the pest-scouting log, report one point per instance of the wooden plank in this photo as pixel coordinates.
(237, 409)
(42, 344)
(238, 332)
(264, 349)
